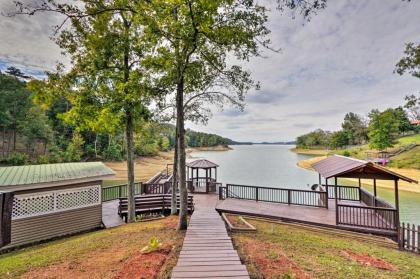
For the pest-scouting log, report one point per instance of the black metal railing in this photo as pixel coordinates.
(347, 193)
(276, 195)
(119, 191)
(367, 216)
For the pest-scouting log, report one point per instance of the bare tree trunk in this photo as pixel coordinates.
(183, 212)
(131, 217)
(96, 143)
(175, 179)
(3, 147)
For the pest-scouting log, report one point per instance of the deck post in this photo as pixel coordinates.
(207, 181)
(360, 189)
(397, 204)
(339, 190)
(374, 192)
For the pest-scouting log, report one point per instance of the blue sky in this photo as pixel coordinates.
(340, 61)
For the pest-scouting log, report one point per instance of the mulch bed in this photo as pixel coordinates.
(368, 260)
(270, 260)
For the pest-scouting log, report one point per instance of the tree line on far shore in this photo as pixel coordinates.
(30, 133)
(379, 129)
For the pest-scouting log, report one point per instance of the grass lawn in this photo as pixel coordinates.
(284, 251)
(111, 253)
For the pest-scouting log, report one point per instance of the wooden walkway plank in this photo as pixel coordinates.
(207, 251)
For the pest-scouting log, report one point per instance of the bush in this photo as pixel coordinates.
(43, 159)
(346, 153)
(113, 153)
(16, 159)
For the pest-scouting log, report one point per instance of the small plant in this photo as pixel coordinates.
(139, 217)
(154, 244)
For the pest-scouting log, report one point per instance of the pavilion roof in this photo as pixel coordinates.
(341, 166)
(202, 164)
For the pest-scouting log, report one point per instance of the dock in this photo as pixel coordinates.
(207, 251)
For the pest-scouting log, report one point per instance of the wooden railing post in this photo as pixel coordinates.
(119, 191)
(227, 191)
(289, 196)
(256, 193)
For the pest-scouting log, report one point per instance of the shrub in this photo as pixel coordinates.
(346, 153)
(16, 159)
(43, 159)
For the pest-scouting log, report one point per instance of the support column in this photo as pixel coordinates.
(397, 204)
(360, 190)
(374, 192)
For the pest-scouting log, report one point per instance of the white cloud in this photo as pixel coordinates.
(342, 60)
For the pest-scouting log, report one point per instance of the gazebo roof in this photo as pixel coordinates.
(341, 166)
(202, 164)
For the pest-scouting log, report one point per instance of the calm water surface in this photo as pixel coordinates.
(275, 166)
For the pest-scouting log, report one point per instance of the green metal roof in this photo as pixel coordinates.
(36, 174)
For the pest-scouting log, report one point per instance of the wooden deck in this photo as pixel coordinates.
(207, 251)
(294, 213)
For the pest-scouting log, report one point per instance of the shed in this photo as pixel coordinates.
(53, 200)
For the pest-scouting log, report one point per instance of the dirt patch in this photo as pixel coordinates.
(270, 260)
(143, 266)
(368, 260)
(171, 223)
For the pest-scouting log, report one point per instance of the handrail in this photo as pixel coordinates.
(278, 195)
(367, 216)
(118, 191)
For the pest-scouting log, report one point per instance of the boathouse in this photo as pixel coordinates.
(330, 204)
(53, 200)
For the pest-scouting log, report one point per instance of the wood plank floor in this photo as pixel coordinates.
(207, 251)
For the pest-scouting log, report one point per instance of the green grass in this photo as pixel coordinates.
(320, 255)
(408, 159)
(409, 140)
(126, 240)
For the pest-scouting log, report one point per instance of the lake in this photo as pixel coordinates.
(275, 166)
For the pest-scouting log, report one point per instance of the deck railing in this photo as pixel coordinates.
(119, 191)
(367, 216)
(370, 200)
(347, 193)
(409, 237)
(156, 188)
(277, 195)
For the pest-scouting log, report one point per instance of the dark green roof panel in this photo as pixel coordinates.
(35, 174)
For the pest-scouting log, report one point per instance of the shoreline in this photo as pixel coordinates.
(403, 186)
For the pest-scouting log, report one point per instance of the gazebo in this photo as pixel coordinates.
(354, 205)
(202, 175)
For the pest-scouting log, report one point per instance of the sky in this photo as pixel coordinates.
(340, 61)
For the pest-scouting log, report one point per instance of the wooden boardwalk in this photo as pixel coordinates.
(207, 251)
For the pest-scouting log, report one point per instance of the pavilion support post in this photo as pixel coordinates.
(397, 204)
(339, 190)
(374, 192)
(207, 180)
(319, 179)
(215, 174)
(360, 189)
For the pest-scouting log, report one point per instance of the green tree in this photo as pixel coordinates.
(109, 46)
(339, 139)
(35, 127)
(412, 105)
(355, 128)
(383, 129)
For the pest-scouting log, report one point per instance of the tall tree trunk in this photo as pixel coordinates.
(183, 212)
(131, 217)
(3, 147)
(175, 179)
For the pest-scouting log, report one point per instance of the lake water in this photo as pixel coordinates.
(275, 166)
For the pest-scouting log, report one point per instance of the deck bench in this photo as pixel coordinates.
(152, 203)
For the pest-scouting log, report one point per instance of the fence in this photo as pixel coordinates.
(409, 237)
(119, 191)
(277, 195)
